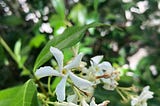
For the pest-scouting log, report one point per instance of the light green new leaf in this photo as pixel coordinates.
(78, 14)
(25, 95)
(68, 38)
(17, 50)
(59, 7)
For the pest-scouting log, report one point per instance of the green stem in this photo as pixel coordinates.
(49, 86)
(124, 88)
(4, 44)
(40, 86)
(121, 94)
(49, 102)
(76, 90)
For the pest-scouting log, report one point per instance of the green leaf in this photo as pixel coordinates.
(37, 40)
(59, 7)
(25, 95)
(68, 38)
(96, 2)
(17, 50)
(57, 22)
(78, 14)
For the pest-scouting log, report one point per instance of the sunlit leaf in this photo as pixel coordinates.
(78, 14)
(25, 95)
(68, 38)
(59, 7)
(17, 49)
(37, 40)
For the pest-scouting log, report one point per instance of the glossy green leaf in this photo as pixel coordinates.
(68, 38)
(25, 95)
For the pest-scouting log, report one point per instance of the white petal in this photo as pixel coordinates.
(79, 82)
(92, 103)
(58, 56)
(60, 89)
(146, 94)
(134, 101)
(46, 71)
(104, 103)
(96, 60)
(75, 63)
(106, 66)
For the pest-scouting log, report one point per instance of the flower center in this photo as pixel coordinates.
(64, 71)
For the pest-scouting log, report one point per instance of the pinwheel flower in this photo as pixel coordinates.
(64, 72)
(102, 71)
(141, 100)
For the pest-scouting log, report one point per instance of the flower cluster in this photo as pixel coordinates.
(83, 79)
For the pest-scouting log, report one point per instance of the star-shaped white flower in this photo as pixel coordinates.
(105, 72)
(141, 100)
(64, 72)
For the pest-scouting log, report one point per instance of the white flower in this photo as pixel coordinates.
(102, 71)
(141, 100)
(63, 72)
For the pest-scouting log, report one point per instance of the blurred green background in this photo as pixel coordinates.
(131, 44)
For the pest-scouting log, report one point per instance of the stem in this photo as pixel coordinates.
(49, 102)
(76, 90)
(127, 89)
(40, 86)
(121, 94)
(49, 86)
(4, 44)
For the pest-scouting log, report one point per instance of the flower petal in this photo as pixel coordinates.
(46, 71)
(93, 103)
(58, 56)
(76, 62)
(96, 60)
(60, 89)
(79, 82)
(106, 66)
(146, 94)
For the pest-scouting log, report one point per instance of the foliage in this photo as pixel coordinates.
(129, 32)
(25, 95)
